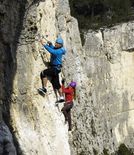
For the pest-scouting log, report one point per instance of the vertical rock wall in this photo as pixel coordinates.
(103, 115)
(103, 70)
(11, 15)
(38, 124)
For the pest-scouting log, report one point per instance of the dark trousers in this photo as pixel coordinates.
(67, 113)
(52, 73)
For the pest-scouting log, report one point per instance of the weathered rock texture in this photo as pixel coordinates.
(37, 124)
(11, 14)
(6, 141)
(103, 70)
(103, 115)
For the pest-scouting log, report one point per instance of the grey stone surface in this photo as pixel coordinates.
(103, 69)
(37, 124)
(11, 15)
(103, 116)
(6, 141)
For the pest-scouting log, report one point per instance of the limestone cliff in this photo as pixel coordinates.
(103, 115)
(102, 68)
(37, 124)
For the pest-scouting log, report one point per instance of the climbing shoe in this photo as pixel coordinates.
(42, 90)
(61, 99)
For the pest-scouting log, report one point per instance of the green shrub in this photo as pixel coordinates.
(92, 14)
(123, 150)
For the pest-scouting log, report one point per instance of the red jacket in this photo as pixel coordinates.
(69, 93)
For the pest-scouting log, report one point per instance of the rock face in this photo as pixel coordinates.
(38, 125)
(102, 68)
(6, 140)
(103, 115)
(10, 27)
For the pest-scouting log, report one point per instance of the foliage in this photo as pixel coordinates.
(97, 13)
(105, 151)
(123, 150)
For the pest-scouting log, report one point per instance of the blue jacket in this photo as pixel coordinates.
(56, 54)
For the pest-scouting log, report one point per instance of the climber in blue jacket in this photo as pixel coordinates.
(53, 71)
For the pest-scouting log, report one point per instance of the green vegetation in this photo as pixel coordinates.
(105, 151)
(95, 151)
(92, 14)
(93, 128)
(123, 150)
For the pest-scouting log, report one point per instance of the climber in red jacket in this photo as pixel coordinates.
(70, 94)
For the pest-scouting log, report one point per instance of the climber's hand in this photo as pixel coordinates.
(42, 41)
(63, 81)
(49, 42)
